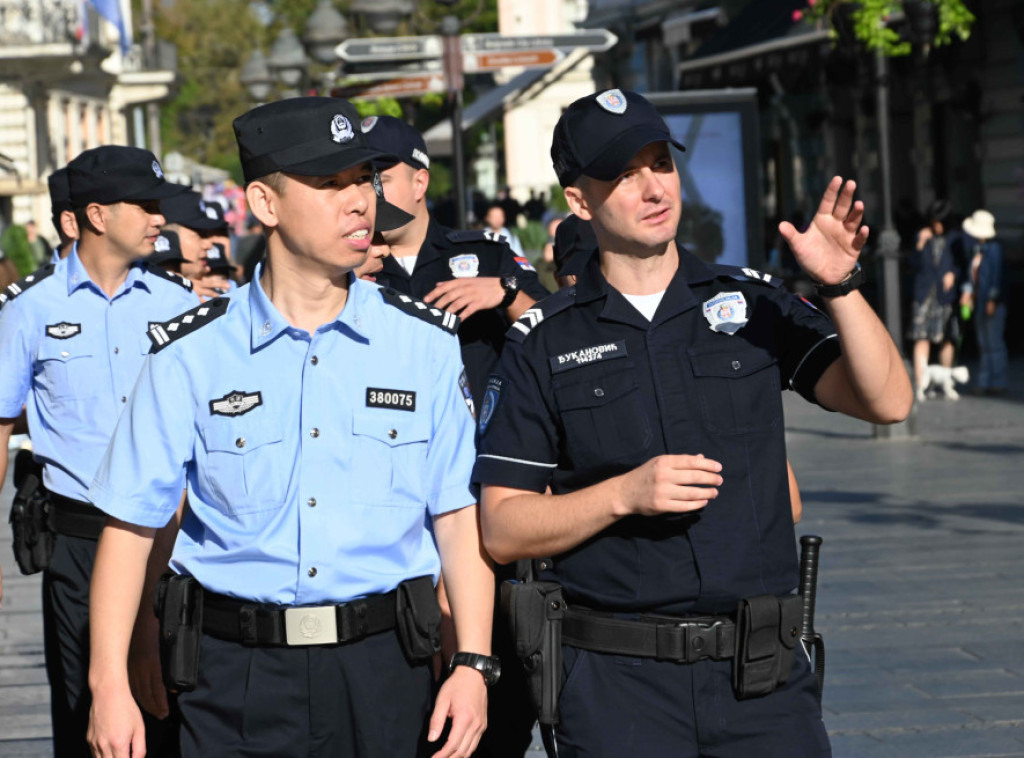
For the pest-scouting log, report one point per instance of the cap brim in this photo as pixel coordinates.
(618, 153)
(339, 161)
(390, 217)
(159, 192)
(158, 259)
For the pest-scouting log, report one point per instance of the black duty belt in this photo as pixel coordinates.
(262, 625)
(74, 518)
(683, 640)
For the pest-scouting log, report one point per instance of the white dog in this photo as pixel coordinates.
(943, 378)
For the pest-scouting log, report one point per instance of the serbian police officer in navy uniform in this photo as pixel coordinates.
(476, 276)
(327, 454)
(72, 342)
(471, 273)
(648, 398)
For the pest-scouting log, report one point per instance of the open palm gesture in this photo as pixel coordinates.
(829, 249)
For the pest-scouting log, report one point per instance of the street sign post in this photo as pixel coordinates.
(595, 40)
(401, 86)
(384, 49)
(478, 62)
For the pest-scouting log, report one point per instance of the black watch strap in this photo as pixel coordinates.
(852, 281)
(511, 286)
(488, 665)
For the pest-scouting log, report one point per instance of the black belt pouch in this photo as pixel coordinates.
(418, 618)
(30, 516)
(179, 605)
(767, 629)
(534, 612)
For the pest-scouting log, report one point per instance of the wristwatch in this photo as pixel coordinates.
(852, 281)
(488, 665)
(511, 286)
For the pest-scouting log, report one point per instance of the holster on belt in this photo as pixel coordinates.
(179, 606)
(534, 611)
(30, 524)
(418, 618)
(768, 629)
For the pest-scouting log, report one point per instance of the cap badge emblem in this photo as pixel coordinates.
(162, 244)
(726, 312)
(613, 101)
(211, 213)
(157, 170)
(378, 186)
(368, 123)
(341, 130)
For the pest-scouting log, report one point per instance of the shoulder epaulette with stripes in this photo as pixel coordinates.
(546, 308)
(30, 281)
(181, 281)
(163, 333)
(745, 274)
(443, 319)
(459, 236)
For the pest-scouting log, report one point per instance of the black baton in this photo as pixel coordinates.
(810, 544)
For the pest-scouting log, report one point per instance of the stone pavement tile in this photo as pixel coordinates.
(1008, 653)
(992, 709)
(870, 696)
(854, 722)
(971, 683)
(41, 748)
(854, 746)
(966, 742)
(20, 676)
(26, 726)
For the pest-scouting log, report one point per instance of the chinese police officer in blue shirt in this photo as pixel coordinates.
(647, 397)
(72, 342)
(327, 456)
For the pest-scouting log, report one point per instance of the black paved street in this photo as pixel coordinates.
(920, 596)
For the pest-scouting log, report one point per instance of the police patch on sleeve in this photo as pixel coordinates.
(492, 396)
(467, 395)
(587, 355)
(726, 312)
(235, 403)
(524, 263)
(63, 330)
(396, 400)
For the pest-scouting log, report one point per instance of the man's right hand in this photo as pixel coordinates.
(115, 725)
(670, 484)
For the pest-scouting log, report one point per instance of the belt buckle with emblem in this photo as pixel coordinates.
(311, 626)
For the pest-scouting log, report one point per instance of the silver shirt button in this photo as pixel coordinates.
(240, 442)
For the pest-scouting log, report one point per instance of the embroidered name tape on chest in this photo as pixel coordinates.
(396, 400)
(587, 355)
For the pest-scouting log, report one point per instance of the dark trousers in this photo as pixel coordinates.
(510, 713)
(994, 361)
(361, 700)
(613, 706)
(66, 645)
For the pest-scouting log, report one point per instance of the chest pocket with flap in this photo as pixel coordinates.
(737, 387)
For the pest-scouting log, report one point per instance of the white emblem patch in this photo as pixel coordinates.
(368, 123)
(63, 330)
(613, 101)
(341, 130)
(464, 266)
(157, 170)
(162, 244)
(726, 312)
(235, 403)
(421, 157)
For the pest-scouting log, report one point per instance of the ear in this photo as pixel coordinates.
(69, 225)
(420, 182)
(262, 201)
(578, 202)
(97, 215)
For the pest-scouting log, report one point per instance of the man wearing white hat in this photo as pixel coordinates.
(984, 290)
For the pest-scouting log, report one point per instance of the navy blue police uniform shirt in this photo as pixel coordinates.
(448, 254)
(587, 389)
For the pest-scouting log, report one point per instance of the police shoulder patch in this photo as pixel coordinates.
(170, 276)
(163, 333)
(462, 236)
(13, 290)
(549, 306)
(410, 305)
(746, 274)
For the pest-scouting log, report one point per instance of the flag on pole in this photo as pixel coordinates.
(111, 11)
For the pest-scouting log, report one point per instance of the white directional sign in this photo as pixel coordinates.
(380, 49)
(596, 40)
(478, 62)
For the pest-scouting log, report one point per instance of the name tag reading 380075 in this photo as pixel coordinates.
(398, 400)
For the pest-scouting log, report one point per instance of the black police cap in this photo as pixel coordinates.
(217, 258)
(60, 191)
(598, 135)
(190, 210)
(311, 136)
(116, 173)
(166, 249)
(392, 135)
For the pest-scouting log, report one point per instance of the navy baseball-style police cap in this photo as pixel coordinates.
(190, 210)
(598, 135)
(166, 249)
(311, 136)
(115, 173)
(392, 135)
(217, 258)
(60, 191)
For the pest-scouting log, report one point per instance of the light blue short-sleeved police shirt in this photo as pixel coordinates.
(313, 462)
(70, 354)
